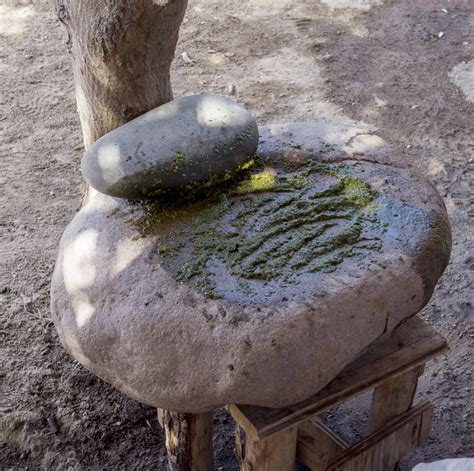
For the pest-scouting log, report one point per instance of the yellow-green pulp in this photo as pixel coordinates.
(273, 226)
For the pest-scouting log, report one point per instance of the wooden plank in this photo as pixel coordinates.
(410, 346)
(188, 440)
(392, 398)
(386, 446)
(160, 415)
(242, 420)
(426, 426)
(277, 452)
(317, 444)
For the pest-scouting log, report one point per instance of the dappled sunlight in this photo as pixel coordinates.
(101, 201)
(210, 112)
(262, 181)
(109, 161)
(285, 65)
(363, 144)
(346, 12)
(83, 308)
(354, 4)
(79, 273)
(260, 8)
(330, 111)
(435, 167)
(127, 251)
(13, 19)
(318, 136)
(79, 268)
(340, 134)
(82, 106)
(89, 258)
(283, 68)
(161, 112)
(462, 75)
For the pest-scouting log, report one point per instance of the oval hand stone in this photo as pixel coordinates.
(192, 140)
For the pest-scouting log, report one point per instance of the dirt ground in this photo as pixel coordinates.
(398, 64)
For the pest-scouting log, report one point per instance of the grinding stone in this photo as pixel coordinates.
(140, 298)
(188, 141)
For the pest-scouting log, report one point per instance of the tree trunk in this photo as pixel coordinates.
(122, 52)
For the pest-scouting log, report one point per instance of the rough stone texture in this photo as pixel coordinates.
(462, 75)
(121, 310)
(186, 141)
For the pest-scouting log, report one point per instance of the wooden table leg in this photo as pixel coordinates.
(277, 452)
(391, 398)
(188, 440)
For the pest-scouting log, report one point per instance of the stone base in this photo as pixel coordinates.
(127, 309)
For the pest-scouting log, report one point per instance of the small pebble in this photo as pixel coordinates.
(231, 89)
(187, 59)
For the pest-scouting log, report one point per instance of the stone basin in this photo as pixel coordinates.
(263, 293)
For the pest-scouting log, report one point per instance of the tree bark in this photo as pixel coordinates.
(122, 52)
(188, 440)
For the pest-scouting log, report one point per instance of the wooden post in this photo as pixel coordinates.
(391, 398)
(188, 440)
(122, 52)
(388, 444)
(277, 452)
(318, 444)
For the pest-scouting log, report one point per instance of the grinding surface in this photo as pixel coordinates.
(271, 236)
(281, 279)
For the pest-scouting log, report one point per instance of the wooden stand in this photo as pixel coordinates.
(275, 438)
(188, 440)
(394, 429)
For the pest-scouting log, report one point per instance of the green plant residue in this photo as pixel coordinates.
(178, 160)
(271, 227)
(262, 181)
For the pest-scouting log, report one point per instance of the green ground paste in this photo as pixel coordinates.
(272, 226)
